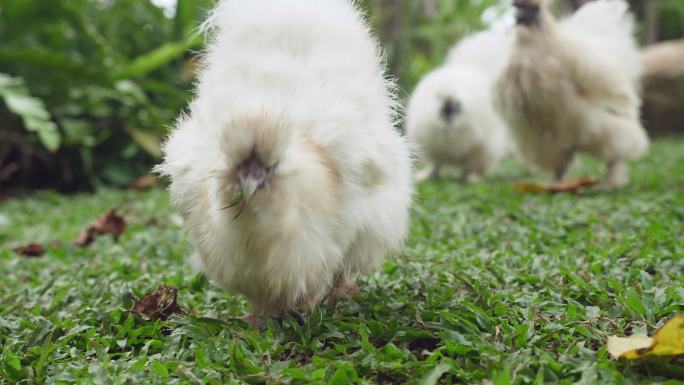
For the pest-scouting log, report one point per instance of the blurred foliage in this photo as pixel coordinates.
(671, 19)
(89, 87)
(418, 33)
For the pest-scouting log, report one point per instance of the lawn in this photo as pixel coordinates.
(494, 287)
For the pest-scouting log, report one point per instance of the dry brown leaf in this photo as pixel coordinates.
(570, 186)
(190, 68)
(144, 183)
(31, 250)
(159, 305)
(667, 341)
(108, 223)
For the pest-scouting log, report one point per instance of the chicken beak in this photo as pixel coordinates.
(527, 14)
(450, 109)
(252, 174)
(249, 186)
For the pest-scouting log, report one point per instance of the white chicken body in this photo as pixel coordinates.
(451, 118)
(572, 87)
(292, 125)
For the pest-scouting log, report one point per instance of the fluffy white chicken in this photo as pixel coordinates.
(572, 87)
(287, 169)
(451, 118)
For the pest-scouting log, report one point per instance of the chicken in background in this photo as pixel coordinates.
(451, 118)
(288, 170)
(573, 87)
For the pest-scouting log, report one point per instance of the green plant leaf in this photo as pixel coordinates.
(148, 141)
(339, 378)
(32, 110)
(502, 377)
(47, 132)
(50, 60)
(189, 13)
(159, 57)
(12, 366)
(433, 376)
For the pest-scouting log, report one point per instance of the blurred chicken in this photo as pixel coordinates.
(287, 169)
(573, 87)
(451, 118)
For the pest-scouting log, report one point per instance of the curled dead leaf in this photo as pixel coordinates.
(144, 183)
(108, 223)
(572, 186)
(31, 250)
(190, 69)
(667, 341)
(159, 305)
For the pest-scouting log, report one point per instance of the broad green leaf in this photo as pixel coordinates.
(158, 58)
(24, 105)
(635, 302)
(51, 61)
(32, 111)
(47, 133)
(12, 366)
(434, 375)
(503, 377)
(339, 378)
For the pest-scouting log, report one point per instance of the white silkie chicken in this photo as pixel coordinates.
(451, 118)
(287, 169)
(572, 87)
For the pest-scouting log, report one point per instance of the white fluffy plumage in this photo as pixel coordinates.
(451, 118)
(288, 170)
(572, 87)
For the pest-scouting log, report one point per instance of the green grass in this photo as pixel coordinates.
(494, 287)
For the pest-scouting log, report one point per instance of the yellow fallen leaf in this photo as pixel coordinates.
(620, 347)
(667, 341)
